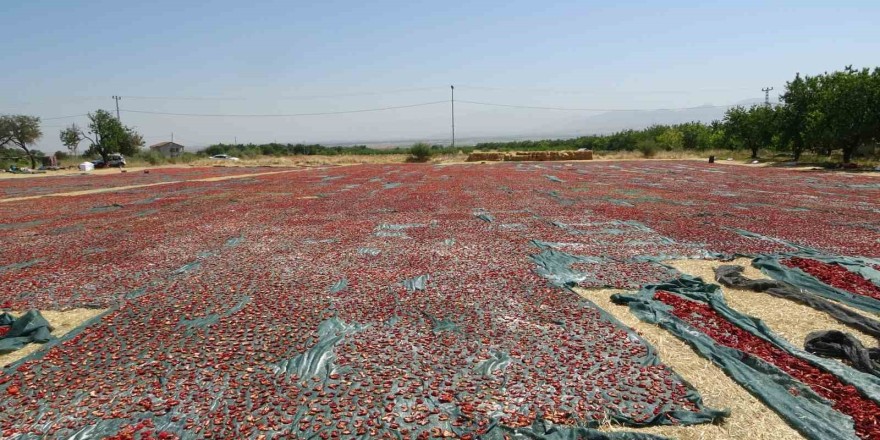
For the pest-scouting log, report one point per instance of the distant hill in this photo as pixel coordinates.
(568, 127)
(616, 121)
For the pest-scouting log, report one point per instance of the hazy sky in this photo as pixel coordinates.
(287, 57)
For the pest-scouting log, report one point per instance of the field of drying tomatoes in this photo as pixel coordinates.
(390, 301)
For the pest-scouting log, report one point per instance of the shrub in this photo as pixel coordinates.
(152, 157)
(647, 147)
(420, 152)
(187, 157)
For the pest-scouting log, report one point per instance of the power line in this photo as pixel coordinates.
(64, 117)
(452, 103)
(61, 98)
(587, 92)
(592, 109)
(281, 98)
(385, 92)
(285, 115)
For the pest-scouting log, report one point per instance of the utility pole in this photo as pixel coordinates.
(452, 101)
(766, 91)
(117, 98)
(172, 137)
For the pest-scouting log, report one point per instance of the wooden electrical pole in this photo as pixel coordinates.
(117, 98)
(452, 102)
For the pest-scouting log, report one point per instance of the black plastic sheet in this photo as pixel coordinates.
(30, 327)
(837, 344)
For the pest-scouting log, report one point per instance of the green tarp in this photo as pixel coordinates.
(802, 408)
(772, 267)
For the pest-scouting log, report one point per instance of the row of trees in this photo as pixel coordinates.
(105, 134)
(831, 111)
(821, 114)
(278, 149)
(694, 136)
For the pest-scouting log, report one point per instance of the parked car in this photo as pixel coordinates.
(223, 157)
(115, 160)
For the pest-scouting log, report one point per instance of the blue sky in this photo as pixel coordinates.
(286, 57)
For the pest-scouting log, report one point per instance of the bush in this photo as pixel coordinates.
(420, 152)
(647, 147)
(187, 157)
(152, 157)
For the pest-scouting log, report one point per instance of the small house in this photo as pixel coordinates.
(168, 149)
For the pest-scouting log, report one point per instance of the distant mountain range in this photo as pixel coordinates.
(603, 123)
(616, 121)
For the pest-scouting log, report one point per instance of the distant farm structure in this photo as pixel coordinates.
(168, 149)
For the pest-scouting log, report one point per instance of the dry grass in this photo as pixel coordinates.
(786, 318)
(749, 418)
(63, 322)
(721, 156)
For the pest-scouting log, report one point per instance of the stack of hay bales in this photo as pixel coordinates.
(580, 155)
(480, 156)
(530, 156)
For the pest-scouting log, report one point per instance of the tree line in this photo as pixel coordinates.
(822, 113)
(279, 149)
(104, 135)
(837, 111)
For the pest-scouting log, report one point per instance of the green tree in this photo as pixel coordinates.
(718, 138)
(800, 118)
(694, 136)
(107, 136)
(671, 139)
(753, 128)
(21, 131)
(71, 137)
(847, 110)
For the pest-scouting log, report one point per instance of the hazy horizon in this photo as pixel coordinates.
(273, 58)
